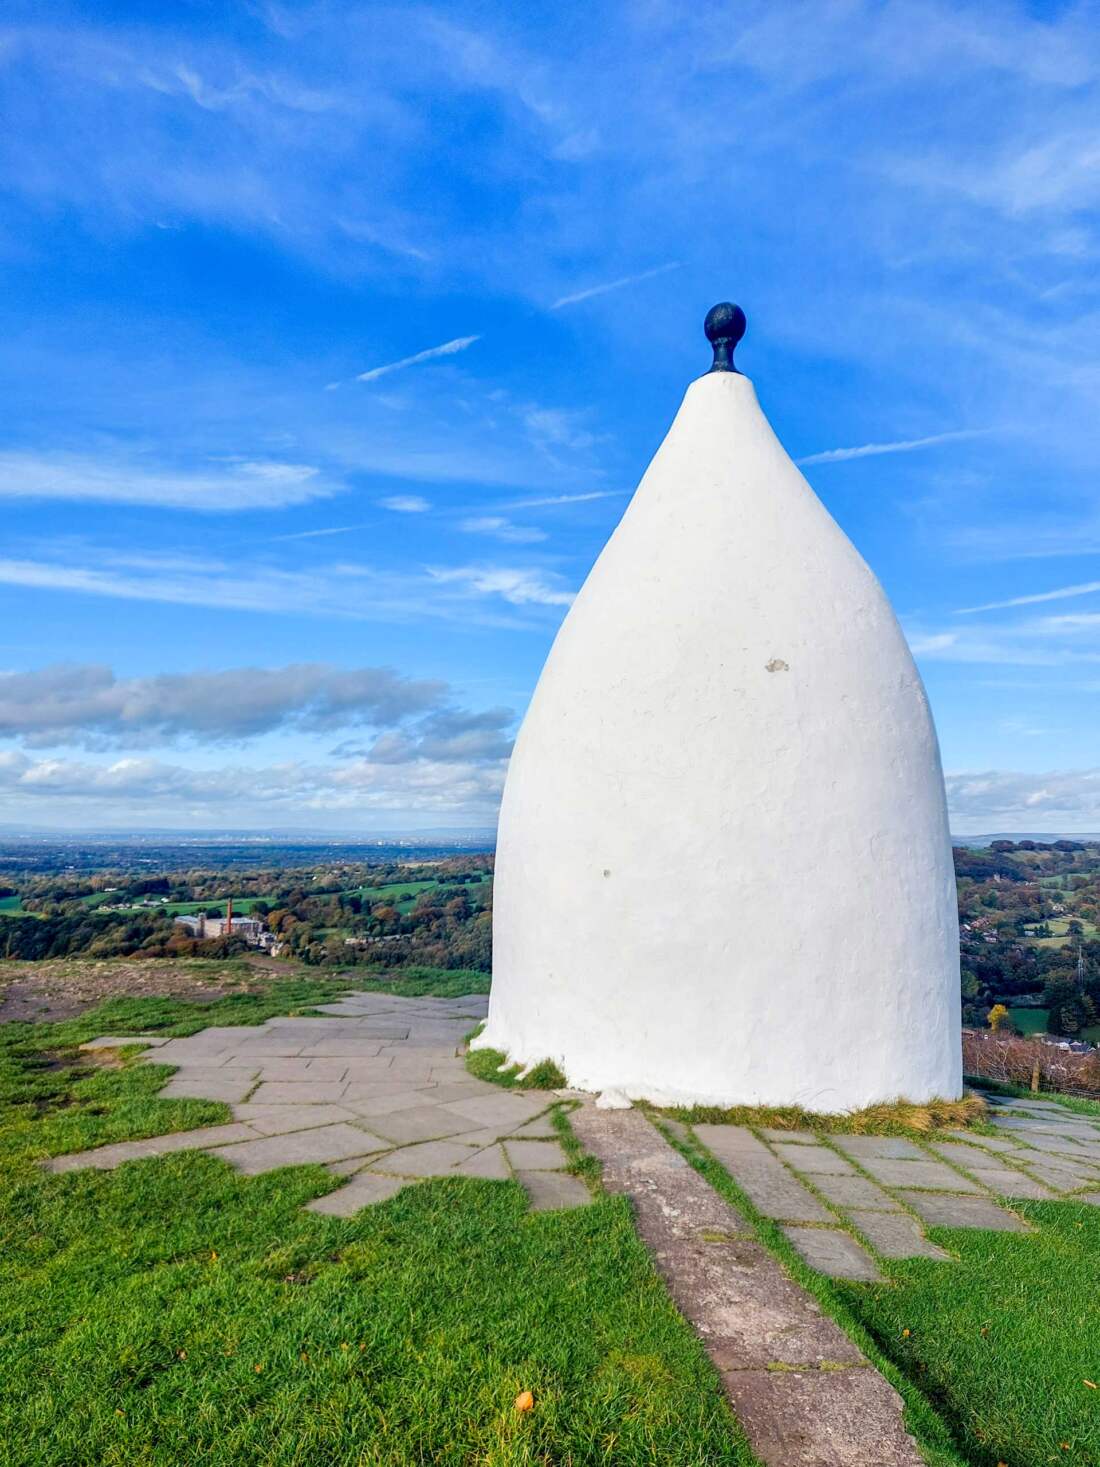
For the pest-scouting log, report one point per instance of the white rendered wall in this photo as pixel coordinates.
(723, 867)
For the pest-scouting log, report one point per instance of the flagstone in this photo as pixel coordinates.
(932, 1174)
(497, 1110)
(833, 1252)
(431, 1159)
(277, 1120)
(1008, 1183)
(879, 1148)
(421, 1123)
(299, 1092)
(855, 1192)
(489, 1164)
(535, 1156)
(364, 1190)
(945, 1211)
(896, 1235)
(370, 1100)
(227, 1091)
(553, 1191)
(814, 1159)
(298, 1148)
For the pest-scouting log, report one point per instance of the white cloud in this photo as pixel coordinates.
(498, 528)
(146, 790)
(1086, 588)
(448, 349)
(593, 290)
(89, 705)
(519, 587)
(906, 445)
(551, 499)
(406, 504)
(1057, 800)
(211, 489)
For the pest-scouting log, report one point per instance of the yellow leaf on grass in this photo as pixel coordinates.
(524, 1401)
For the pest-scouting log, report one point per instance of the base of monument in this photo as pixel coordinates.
(848, 1097)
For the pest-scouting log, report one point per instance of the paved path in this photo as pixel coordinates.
(819, 1187)
(803, 1393)
(377, 1091)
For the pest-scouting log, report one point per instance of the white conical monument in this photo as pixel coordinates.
(723, 868)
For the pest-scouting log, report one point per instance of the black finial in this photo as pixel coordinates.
(724, 328)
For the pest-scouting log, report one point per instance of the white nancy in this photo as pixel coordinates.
(723, 869)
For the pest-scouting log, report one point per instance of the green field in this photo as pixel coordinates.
(1060, 935)
(175, 1312)
(241, 905)
(406, 892)
(11, 906)
(1034, 1021)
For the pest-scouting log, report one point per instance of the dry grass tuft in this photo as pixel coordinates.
(896, 1118)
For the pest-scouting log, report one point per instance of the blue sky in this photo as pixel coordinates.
(334, 337)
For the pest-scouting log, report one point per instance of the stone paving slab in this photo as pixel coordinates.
(504, 1110)
(858, 1192)
(774, 1190)
(364, 1190)
(879, 1148)
(1008, 1183)
(895, 1235)
(553, 1191)
(927, 1173)
(945, 1211)
(490, 1163)
(227, 1091)
(535, 1156)
(814, 1160)
(295, 1092)
(428, 1159)
(833, 1252)
(325, 1143)
(277, 1120)
(421, 1123)
(1059, 1172)
(987, 1143)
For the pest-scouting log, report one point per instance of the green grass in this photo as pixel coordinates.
(173, 1312)
(485, 1064)
(11, 905)
(1002, 1341)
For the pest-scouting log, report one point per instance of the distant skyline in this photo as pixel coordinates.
(336, 338)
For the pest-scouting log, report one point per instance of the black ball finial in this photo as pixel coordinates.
(724, 328)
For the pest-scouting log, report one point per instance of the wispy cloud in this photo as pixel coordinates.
(551, 499)
(447, 349)
(904, 445)
(317, 534)
(211, 488)
(406, 503)
(593, 290)
(1086, 588)
(520, 587)
(499, 528)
